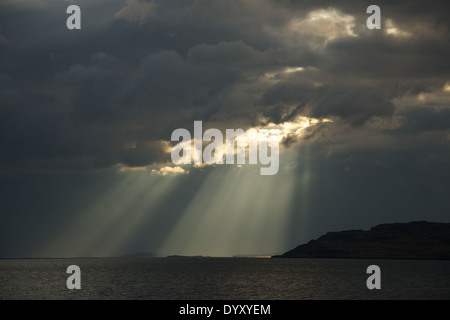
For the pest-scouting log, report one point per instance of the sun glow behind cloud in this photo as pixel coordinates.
(167, 170)
(393, 30)
(322, 26)
(294, 128)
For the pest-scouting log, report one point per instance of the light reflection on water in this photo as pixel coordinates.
(223, 278)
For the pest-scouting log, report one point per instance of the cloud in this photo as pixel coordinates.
(320, 27)
(114, 93)
(132, 169)
(10, 94)
(136, 10)
(164, 171)
(4, 42)
(391, 29)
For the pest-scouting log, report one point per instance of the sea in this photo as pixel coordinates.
(223, 278)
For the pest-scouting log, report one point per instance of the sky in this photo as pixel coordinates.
(86, 118)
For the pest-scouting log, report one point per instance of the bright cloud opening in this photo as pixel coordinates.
(164, 171)
(395, 31)
(328, 24)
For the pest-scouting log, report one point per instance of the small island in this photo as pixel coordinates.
(420, 240)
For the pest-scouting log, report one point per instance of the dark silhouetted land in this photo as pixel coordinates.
(413, 240)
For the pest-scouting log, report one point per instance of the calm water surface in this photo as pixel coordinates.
(223, 278)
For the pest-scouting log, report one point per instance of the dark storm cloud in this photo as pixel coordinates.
(350, 101)
(139, 69)
(389, 57)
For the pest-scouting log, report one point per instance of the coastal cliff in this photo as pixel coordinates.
(413, 240)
